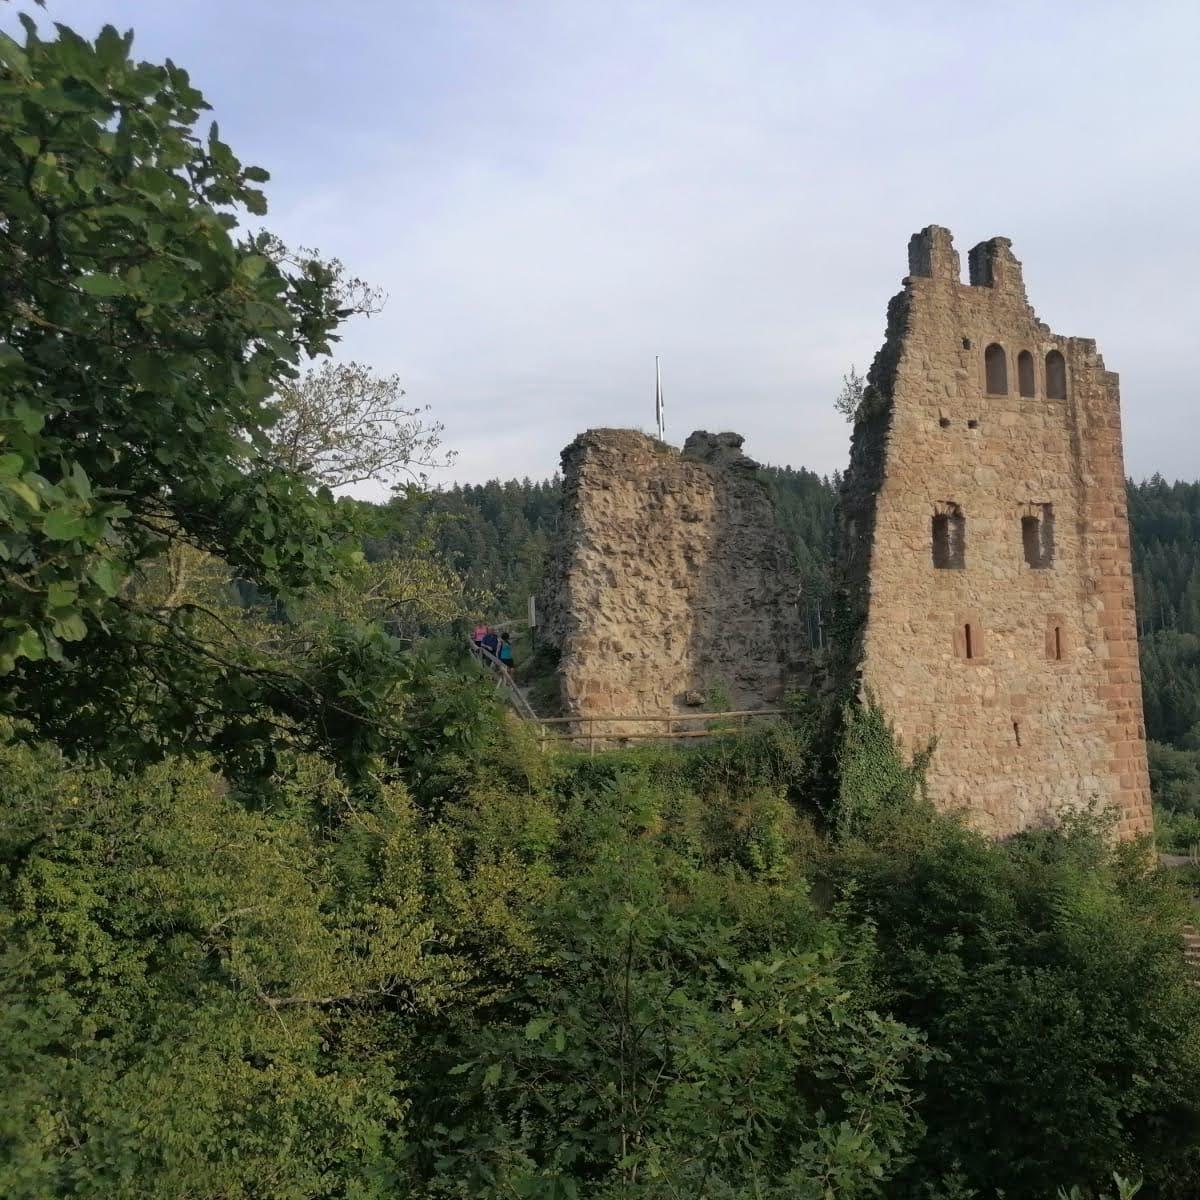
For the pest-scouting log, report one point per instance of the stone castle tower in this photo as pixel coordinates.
(985, 561)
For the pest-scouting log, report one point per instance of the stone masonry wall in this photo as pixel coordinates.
(670, 581)
(1019, 654)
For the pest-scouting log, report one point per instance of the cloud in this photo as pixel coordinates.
(553, 193)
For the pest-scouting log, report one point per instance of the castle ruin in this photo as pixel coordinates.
(985, 557)
(986, 591)
(671, 587)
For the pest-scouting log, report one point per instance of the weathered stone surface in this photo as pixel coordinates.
(670, 581)
(1022, 661)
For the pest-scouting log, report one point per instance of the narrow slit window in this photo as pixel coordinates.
(1017, 731)
(1056, 638)
(949, 538)
(995, 370)
(968, 638)
(1056, 376)
(1037, 536)
(1026, 383)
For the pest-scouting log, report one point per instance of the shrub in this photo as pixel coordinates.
(1047, 972)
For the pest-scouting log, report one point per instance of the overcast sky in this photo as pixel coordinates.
(552, 192)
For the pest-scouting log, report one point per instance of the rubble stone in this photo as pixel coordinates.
(671, 584)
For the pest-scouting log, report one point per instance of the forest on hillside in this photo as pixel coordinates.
(497, 534)
(292, 909)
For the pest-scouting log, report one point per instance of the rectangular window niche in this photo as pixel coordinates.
(949, 537)
(1056, 638)
(1037, 536)
(969, 642)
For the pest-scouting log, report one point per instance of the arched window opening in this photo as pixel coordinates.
(1025, 378)
(949, 538)
(1056, 376)
(1037, 536)
(995, 370)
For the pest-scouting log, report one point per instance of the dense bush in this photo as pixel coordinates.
(1046, 974)
(644, 974)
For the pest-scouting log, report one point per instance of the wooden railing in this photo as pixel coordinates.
(595, 729)
(504, 681)
(674, 726)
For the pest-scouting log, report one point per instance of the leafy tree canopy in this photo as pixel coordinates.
(142, 339)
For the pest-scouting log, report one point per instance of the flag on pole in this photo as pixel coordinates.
(660, 412)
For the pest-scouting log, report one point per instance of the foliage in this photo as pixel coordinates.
(140, 344)
(849, 400)
(495, 535)
(1165, 523)
(1176, 831)
(695, 1027)
(258, 993)
(561, 975)
(1047, 972)
(1175, 776)
(341, 424)
(660, 1060)
(203, 1000)
(872, 776)
(806, 512)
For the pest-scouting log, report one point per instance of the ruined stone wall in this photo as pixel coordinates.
(1018, 653)
(670, 582)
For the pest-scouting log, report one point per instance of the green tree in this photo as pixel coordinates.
(202, 1000)
(141, 343)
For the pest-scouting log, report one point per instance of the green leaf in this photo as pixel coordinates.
(104, 575)
(28, 145)
(537, 1027)
(110, 47)
(29, 645)
(71, 628)
(62, 525)
(252, 267)
(103, 285)
(31, 419)
(151, 181)
(12, 55)
(80, 481)
(62, 594)
(11, 465)
(19, 488)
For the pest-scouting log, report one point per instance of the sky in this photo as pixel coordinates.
(552, 192)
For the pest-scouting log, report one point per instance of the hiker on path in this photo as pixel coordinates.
(506, 652)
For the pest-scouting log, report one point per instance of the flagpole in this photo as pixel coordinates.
(660, 414)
